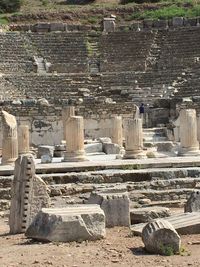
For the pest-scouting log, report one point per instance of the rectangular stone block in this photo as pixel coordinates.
(177, 22)
(73, 223)
(116, 207)
(57, 27)
(109, 24)
(160, 23)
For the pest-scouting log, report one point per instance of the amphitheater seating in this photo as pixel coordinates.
(131, 66)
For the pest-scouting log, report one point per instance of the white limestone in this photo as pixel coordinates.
(75, 140)
(188, 133)
(10, 140)
(23, 137)
(134, 139)
(73, 223)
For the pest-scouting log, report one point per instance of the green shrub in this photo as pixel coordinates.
(167, 250)
(7, 6)
(3, 21)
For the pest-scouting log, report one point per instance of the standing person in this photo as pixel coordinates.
(141, 109)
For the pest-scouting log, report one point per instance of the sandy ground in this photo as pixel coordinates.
(118, 249)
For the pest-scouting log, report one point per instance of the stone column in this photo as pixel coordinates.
(10, 141)
(23, 139)
(198, 128)
(67, 112)
(75, 139)
(188, 133)
(117, 132)
(134, 139)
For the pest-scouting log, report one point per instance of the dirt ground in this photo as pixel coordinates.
(118, 249)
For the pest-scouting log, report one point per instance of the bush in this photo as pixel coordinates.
(7, 6)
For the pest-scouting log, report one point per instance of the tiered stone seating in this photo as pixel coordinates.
(125, 51)
(138, 86)
(67, 52)
(133, 66)
(54, 88)
(179, 48)
(14, 54)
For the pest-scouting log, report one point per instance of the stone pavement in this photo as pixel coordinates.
(103, 162)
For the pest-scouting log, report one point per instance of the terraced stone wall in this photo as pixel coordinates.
(92, 68)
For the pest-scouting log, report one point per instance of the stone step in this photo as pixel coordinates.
(5, 193)
(161, 195)
(184, 223)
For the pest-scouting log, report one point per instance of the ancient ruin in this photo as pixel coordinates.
(28, 195)
(10, 140)
(73, 223)
(74, 139)
(102, 123)
(24, 142)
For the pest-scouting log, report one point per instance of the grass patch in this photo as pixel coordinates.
(3, 20)
(162, 13)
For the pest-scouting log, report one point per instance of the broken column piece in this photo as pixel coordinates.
(67, 112)
(75, 140)
(188, 133)
(117, 132)
(28, 194)
(134, 139)
(160, 237)
(23, 139)
(10, 140)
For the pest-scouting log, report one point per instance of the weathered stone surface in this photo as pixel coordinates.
(188, 133)
(46, 158)
(109, 24)
(23, 139)
(116, 206)
(73, 223)
(193, 203)
(105, 140)
(10, 141)
(75, 140)
(93, 147)
(29, 194)
(165, 146)
(59, 150)
(184, 224)
(148, 213)
(67, 112)
(110, 148)
(45, 150)
(177, 21)
(160, 237)
(134, 139)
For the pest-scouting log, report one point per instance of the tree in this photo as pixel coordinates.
(9, 5)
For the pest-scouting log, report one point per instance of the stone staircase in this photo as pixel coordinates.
(146, 187)
(93, 53)
(152, 58)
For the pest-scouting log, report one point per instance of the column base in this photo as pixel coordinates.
(8, 161)
(132, 154)
(74, 157)
(184, 152)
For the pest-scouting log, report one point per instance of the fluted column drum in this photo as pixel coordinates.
(67, 112)
(23, 137)
(10, 140)
(134, 139)
(75, 139)
(188, 133)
